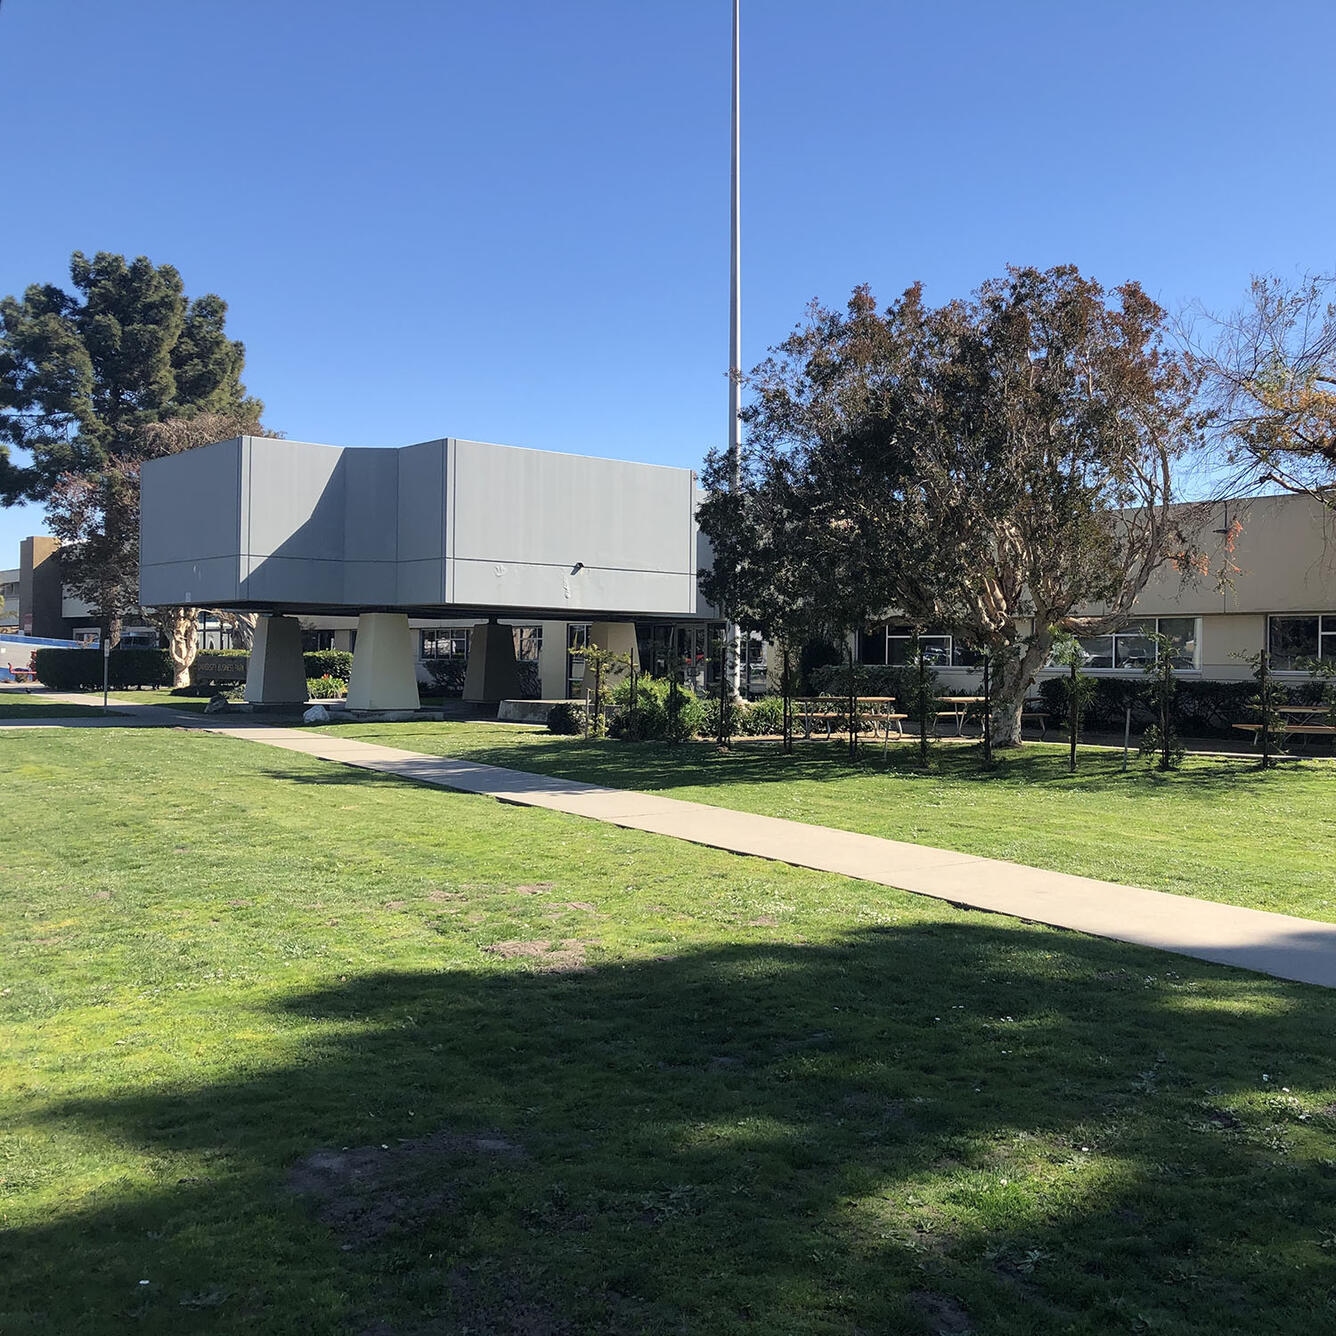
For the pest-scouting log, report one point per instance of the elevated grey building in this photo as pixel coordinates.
(446, 528)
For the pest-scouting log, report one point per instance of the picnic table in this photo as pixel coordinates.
(1298, 721)
(876, 714)
(958, 711)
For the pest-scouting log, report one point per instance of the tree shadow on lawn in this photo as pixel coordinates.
(649, 766)
(948, 1128)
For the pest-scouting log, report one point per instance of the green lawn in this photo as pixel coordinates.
(287, 1047)
(1219, 829)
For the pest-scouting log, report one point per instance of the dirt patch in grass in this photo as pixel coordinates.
(368, 1192)
(568, 954)
(944, 1316)
(534, 888)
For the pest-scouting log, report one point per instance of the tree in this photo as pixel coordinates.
(997, 462)
(82, 376)
(1269, 378)
(96, 518)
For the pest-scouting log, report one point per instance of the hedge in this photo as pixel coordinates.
(329, 663)
(81, 669)
(1201, 709)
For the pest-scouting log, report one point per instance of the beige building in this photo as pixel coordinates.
(1269, 583)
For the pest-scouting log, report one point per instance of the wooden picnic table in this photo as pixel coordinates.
(959, 711)
(1295, 727)
(876, 711)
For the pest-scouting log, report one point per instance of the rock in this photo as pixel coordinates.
(218, 705)
(317, 714)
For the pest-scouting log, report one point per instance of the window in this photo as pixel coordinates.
(528, 643)
(577, 638)
(313, 641)
(1130, 649)
(1294, 641)
(445, 642)
(894, 643)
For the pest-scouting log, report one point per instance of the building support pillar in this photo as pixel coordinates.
(492, 674)
(620, 638)
(276, 672)
(384, 665)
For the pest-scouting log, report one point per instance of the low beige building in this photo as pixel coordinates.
(1266, 580)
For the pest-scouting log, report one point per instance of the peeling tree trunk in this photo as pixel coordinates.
(1018, 672)
(242, 627)
(181, 627)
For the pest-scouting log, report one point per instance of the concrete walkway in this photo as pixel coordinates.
(1289, 948)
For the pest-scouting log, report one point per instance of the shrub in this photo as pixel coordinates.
(1200, 709)
(566, 718)
(325, 688)
(763, 717)
(709, 723)
(81, 669)
(650, 717)
(329, 663)
(898, 680)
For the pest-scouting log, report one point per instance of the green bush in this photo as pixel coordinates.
(329, 663)
(898, 680)
(1201, 709)
(326, 688)
(650, 718)
(763, 717)
(81, 669)
(567, 718)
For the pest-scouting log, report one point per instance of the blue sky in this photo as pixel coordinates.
(508, 220)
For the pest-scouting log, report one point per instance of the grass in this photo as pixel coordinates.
(1218, 829)
(280, 1051)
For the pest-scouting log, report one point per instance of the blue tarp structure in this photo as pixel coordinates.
(17, 650)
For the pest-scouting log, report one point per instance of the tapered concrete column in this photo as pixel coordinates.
(276, 673)
(384, 665)
(492, 674)
(620, 638)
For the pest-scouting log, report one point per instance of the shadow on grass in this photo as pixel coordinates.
(956, 1127)
(660, 766)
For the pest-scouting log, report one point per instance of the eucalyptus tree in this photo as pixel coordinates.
(1269, 378)
(1002, 466)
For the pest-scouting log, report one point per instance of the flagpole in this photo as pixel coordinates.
(735, 329)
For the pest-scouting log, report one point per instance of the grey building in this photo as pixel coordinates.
(441, 537)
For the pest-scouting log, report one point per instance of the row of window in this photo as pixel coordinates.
(1292, 642)
(452, 642)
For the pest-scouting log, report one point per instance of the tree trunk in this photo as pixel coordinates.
(242, 627)
(1018, 673)
(181, 627)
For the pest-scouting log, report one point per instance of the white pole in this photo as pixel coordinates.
(735, 331)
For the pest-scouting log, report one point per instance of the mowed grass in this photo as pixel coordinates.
(1220, 829)
(289, 1047)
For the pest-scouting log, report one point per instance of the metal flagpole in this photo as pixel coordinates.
(735, 335)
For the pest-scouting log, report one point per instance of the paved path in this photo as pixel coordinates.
(1277, 944)
(1290, 948)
